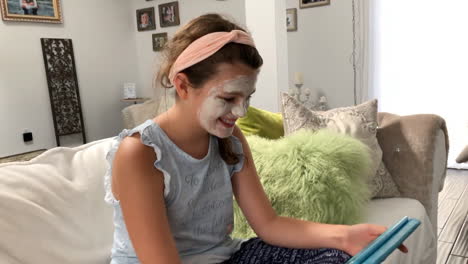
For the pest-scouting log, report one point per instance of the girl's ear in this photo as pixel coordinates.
(181, 84)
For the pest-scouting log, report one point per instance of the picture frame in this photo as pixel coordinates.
(44, 11)
(291, 19)
(159, 40)
(169, 14)
(145, 19)
(313, 3)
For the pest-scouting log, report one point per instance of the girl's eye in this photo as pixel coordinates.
(230, 99)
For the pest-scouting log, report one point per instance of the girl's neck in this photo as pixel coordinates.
(184, 130)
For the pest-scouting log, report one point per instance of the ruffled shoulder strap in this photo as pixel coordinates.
(237, 148)
(146, 139)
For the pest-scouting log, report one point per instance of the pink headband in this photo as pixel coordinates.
(206, 46)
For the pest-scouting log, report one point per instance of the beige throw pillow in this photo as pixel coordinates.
(357, 121)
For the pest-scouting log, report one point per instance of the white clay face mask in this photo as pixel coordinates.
(226, 103)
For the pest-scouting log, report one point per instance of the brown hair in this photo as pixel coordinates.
(201, 72)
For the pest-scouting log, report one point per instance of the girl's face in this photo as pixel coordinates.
(225, 98)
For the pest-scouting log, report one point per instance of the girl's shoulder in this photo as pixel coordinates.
(137, 140)
(133, 146)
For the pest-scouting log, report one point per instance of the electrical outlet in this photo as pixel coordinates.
(27, 136)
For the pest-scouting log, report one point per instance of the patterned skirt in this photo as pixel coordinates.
(255, 251)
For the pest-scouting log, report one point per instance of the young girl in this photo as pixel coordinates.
(172, 178)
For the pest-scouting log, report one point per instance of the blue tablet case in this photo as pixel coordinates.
(386, 243)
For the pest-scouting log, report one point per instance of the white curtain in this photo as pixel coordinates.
(360, 55)
(418, 61)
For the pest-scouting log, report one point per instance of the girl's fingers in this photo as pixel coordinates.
(403, 248)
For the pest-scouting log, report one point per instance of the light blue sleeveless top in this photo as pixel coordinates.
(198, 196)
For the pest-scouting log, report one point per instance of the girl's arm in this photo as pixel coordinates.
(288, 232)
(140, 189)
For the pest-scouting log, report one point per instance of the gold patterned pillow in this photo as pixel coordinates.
(357, 121)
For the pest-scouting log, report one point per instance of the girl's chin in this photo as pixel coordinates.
(222, 130)
(222, 135)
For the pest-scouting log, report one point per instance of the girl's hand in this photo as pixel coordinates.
(359, 236)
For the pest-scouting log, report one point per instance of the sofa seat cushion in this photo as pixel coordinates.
(422, 244)
(52, 208)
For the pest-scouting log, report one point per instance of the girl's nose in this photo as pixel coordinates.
(239, 110)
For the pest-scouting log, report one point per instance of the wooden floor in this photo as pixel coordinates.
(453, 219)
(22, 157)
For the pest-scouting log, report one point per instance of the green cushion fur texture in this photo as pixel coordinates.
(316, 176)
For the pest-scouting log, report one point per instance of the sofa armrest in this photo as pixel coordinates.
(415, 151)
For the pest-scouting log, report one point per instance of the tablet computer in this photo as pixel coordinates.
(379, 249)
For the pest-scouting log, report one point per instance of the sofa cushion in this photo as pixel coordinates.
(317, 176)
(422, 244)
(261, 123)
(357, 121)
(53, 208)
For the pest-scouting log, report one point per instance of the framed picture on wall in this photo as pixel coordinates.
(313, 3)
(291, 19)
(159, 40)
(145, 19)
(169, 14)
(47, 11)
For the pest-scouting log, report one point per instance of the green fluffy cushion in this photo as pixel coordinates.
(261, 123)
(316, 176)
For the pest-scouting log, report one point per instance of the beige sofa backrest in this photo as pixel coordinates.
(136, 114)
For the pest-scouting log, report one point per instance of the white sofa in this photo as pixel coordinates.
(52, 209)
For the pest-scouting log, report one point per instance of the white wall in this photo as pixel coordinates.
(321, 49)
(148, 60)
(108, 52)
(420, 64)
(266, 20)
(104, 45)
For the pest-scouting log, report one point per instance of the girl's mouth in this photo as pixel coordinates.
(229, 123)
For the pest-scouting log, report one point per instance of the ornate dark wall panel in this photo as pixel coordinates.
(64, 95)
